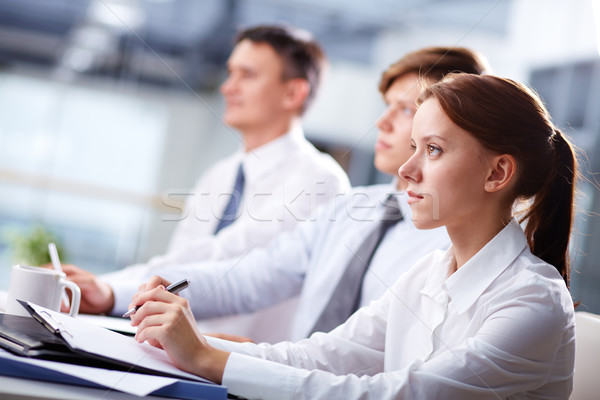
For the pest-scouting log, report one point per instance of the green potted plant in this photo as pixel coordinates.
(31, 248)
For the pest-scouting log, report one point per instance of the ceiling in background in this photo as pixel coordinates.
(185, 43)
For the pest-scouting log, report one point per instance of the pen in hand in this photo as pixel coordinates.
(172, 288)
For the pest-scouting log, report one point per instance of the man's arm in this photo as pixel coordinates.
(253, 281)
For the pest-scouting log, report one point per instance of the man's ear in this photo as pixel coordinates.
(502, 173)
(296, 92)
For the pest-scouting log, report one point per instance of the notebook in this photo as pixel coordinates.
(25, 336)
(102, 345)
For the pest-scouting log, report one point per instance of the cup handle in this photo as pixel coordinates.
(75, 297)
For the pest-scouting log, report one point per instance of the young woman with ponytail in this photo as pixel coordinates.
(491, 318)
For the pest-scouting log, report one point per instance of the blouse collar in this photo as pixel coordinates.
(467, 284)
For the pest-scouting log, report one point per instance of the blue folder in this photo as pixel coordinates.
(182, 388)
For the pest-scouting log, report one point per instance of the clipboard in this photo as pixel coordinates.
(103, 345)
(99, 345)
(25, 336)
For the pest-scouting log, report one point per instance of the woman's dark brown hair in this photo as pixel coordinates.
(508, 118)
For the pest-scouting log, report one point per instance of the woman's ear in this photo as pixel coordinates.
(295, 94)
(503, 169)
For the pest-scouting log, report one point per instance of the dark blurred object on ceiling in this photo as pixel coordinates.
(185, 43)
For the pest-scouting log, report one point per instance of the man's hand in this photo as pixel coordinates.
(96, 296)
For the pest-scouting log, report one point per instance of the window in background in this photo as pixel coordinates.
(83, 163)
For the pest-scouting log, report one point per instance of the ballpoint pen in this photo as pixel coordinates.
(172, 288)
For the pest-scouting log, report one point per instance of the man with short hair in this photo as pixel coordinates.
(278, 177)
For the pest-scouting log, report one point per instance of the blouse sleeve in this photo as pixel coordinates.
(356, 347)
(516, 349)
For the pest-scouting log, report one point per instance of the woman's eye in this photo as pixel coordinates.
(433, 150)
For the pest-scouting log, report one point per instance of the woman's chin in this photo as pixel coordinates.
(422, 223)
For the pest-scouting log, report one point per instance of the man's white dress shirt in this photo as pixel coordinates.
(502, 326)
(308, 262)
(285, 181)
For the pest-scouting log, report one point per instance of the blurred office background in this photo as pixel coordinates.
(108, 106)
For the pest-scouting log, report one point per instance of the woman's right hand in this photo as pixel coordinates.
(165, 320)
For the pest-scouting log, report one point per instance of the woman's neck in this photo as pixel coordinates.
(470, 237)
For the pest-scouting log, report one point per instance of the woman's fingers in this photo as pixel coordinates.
(153, 283)
(165, 320)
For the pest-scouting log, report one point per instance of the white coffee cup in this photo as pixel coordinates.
(41, 286)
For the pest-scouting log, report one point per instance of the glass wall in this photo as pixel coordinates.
(80, 162)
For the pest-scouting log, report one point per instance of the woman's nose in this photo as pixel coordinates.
(409, 170)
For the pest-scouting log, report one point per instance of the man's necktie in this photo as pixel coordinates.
(231, 210)
(346, 296)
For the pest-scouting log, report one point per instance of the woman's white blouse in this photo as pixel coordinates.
(502, 326)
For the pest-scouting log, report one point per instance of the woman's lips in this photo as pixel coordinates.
(413, 196)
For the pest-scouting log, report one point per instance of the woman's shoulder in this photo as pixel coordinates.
(535, 271)
(532, 281)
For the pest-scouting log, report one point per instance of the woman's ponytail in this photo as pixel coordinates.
(550, 217)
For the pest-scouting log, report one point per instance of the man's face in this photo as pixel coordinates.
(393, 143)
(254, 90)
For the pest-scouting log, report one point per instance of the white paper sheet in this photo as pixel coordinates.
(93, 339)
(128, 382)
